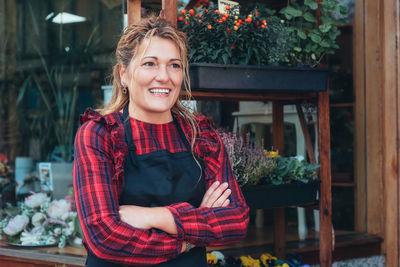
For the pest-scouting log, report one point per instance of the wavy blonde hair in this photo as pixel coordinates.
(127, 49)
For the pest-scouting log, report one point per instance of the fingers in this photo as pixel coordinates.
(206, 197)
(216, 195)
(222, 198)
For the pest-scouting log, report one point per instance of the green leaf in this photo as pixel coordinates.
(293, 11)
(301, 34)
(315, 38)
(325, 43)
(310, 17)
(311, 4)
(297, 49)
(325, 27)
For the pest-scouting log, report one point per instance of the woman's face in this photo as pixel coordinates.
(154, 78)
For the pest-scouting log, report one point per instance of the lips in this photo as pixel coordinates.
(160, 91)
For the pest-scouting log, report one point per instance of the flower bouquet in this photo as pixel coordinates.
(38, 221)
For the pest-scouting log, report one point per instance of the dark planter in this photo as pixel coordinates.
(234, 78)
(269, 196)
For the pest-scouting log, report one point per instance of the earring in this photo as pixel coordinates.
(124, 89)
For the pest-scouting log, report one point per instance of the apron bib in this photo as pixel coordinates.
(161, 178)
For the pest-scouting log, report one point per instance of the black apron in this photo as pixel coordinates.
(160, 178)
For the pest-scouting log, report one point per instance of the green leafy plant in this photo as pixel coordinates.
(291, 36)
(292, 169)
(313, 38)
(222, 37)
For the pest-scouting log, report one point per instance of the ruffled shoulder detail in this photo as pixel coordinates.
(113, 123)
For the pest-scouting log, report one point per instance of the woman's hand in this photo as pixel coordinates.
(147, 218)
(138, 217)
(216, 196)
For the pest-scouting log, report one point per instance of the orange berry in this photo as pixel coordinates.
(264, 21)
(187, 22)
(250, 16)
(223, 18)
(206, 11)
(191, 12)
(209, 27)
(262, 26)
(235, 28)
(183, 11)
(200, 16)
(217, 11)
(256, 13)
(199, 20)
(228, 30)
(227, 7)
(180, 18)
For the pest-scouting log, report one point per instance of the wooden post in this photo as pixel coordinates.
(279, 213)
(307, 138)
(134, 8)
(170, 9)
(325, 202)
(390, 119)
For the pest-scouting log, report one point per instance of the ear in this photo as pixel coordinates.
(122, 74)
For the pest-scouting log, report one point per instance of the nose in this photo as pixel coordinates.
(162, 74)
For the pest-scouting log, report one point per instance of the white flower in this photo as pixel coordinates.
(58, 208)
(51, 240)
(35, 200)
(57, 231)
(38, 218)
(16, 225)
(70, 229)
(30, 238)
(77, 241)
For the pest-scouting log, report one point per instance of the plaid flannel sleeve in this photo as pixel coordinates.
(105, 234)
(213, 226)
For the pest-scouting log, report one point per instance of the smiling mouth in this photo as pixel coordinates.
(160, 91)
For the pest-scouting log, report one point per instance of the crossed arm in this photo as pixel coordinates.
(161, 218)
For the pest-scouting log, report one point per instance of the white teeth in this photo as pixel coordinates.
(159, 91)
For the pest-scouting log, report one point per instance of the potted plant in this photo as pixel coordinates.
(268, 180)
(259, 51)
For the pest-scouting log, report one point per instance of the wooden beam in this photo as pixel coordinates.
(360, 196)
(325, 203)
(236, 96)
(390, 71)
(373, 118)
(134, 8)
(170, 9)
(279, 213)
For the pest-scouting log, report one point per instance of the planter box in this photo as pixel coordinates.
(234, 78)
(269, 196)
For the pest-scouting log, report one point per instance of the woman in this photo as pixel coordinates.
(152, 181)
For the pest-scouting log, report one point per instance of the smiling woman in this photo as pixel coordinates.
(152, 180)
(154, 81)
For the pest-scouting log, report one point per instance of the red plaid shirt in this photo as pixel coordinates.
(100, 151)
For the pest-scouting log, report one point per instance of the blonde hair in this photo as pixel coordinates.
(127, 49)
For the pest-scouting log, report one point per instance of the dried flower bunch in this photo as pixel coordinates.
(253, 165)
(249, 161)
(38, 221)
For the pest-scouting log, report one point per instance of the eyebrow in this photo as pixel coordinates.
(171, 59)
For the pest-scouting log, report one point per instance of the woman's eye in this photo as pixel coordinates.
(148, 64)
(176, 66)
